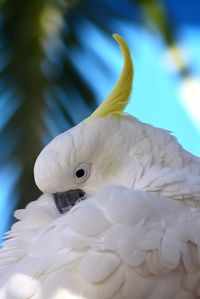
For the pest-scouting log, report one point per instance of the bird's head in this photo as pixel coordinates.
(94, 153)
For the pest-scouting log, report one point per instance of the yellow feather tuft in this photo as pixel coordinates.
(118, 99)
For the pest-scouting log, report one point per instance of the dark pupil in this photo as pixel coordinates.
(80, 173)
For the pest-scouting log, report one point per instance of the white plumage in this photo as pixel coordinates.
(120, 243)
(135, 236)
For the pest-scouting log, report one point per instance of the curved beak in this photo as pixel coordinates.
(66, 200)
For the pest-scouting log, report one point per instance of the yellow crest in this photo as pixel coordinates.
(117, 100)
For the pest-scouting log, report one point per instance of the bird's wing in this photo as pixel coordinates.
(180, 184)
(119, 244)
(164, 167)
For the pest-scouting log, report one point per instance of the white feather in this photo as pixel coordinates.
(126, 253)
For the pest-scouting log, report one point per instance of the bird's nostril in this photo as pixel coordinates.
(66, 200)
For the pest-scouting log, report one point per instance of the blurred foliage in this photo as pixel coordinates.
(37, 38)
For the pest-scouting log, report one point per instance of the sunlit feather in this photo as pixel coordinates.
(118, 99)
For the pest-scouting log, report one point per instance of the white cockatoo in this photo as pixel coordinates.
(119, 217)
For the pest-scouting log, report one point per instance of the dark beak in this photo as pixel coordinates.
(66, 200)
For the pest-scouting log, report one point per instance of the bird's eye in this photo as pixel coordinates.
(82, 172)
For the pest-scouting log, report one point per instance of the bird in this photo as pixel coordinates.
(119, 214)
